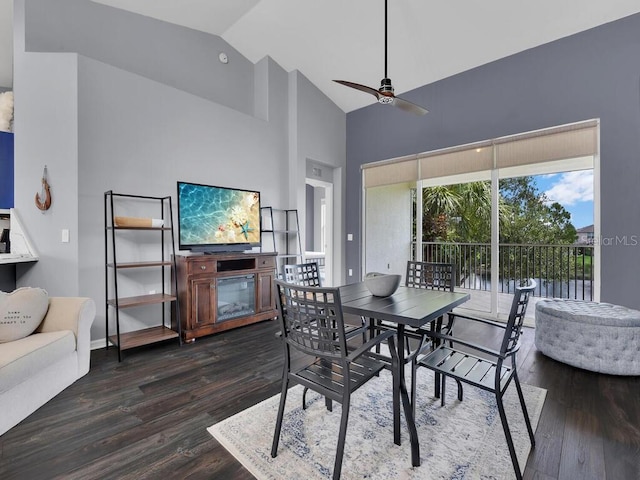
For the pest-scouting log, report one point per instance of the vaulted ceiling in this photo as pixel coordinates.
(344, 39)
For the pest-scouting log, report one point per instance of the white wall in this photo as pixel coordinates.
(45, 133)
(318, 120)
(100, 126)
(148, 136)
(387, 227)
(318, 198)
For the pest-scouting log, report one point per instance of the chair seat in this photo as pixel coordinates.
(409, 331)
(330, 375)
(351, 330)
(465, 367)
(421, 334)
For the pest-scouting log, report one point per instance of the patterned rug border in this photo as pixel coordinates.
(231, 433)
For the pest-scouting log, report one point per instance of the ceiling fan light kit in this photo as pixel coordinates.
(385, 93)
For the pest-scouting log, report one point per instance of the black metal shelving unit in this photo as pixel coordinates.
(114, 302)
(284, 228)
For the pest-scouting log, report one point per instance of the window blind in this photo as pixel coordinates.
(572, 141)
(547, 145)
(390, 173)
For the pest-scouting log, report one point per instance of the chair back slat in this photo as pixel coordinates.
(311, 319)
(306, 274)
(516, 316)
(432, 275)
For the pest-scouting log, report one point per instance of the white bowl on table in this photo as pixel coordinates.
(382, 284)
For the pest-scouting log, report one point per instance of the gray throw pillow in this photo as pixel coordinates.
(21, 311)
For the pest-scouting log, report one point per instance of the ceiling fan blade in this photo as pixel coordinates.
(357, 86)
(409, 107)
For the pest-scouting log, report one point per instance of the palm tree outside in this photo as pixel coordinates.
(537, 238)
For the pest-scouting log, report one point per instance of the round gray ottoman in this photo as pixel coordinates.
(600, 337)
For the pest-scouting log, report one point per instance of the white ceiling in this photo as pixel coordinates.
(344, 39)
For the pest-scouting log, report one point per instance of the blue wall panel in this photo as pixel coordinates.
(6, 170)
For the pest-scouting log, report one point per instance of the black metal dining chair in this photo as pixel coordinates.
(306, 274)
(484, 367)
(311, 320)
(433, 276)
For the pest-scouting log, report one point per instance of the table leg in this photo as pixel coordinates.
(400, 391)
(398, 378)
(437, 327)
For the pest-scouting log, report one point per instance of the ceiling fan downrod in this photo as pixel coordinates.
(385, 83)
(385, 41)
(385, 94)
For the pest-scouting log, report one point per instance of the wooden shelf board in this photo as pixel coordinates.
(140, 228)
(154, 263)
(142, 337)
(125, 302)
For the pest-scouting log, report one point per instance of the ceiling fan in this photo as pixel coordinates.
(385, 93)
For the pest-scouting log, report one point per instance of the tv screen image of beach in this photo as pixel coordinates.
(218, 216)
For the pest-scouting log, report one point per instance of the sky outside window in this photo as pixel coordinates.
(573, 190)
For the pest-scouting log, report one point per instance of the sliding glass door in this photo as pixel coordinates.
(503, 211)
(456, 228)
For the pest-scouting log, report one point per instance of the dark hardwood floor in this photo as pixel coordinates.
(146, 417)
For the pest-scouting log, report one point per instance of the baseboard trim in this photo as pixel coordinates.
(98, 344)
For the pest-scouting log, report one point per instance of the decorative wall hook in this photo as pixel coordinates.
(43, 199)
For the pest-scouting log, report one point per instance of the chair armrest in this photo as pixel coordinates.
(475, 346)
(453, 316)
(370, 344)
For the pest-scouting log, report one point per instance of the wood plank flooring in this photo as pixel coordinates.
(146, 417)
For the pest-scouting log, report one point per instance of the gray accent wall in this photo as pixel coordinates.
(102, 118)
(593, 74)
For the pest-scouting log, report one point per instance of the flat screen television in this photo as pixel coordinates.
(217, 219)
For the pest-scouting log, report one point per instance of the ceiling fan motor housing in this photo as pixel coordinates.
(386, 91)
(385, 85)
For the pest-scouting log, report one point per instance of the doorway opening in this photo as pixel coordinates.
(318, 245)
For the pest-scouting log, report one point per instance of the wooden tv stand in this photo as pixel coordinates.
(222, 291)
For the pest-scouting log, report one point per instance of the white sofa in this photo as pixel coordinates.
(36, 368)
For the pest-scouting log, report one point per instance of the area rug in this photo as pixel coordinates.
(462, 440)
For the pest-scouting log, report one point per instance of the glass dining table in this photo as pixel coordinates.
(412, 307)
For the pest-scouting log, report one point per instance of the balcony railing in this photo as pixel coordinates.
(563, 271)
